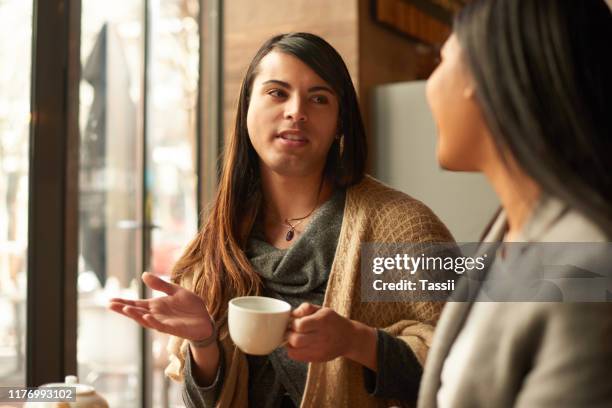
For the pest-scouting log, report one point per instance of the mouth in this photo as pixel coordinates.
(293, 137)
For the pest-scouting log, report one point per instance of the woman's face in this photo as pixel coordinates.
(464, 142)
(292, 117)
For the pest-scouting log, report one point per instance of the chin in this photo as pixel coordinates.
(454, 163)
(289, 168)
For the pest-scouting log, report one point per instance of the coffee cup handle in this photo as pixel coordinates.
(289, 323)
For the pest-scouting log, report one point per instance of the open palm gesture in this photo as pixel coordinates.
(180, 313)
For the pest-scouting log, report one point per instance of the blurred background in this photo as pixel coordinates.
(113, 114)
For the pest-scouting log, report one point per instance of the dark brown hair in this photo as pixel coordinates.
(543, 76)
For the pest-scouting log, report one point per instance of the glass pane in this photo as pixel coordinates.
(15, 63)
(110, 195)
(171, 172)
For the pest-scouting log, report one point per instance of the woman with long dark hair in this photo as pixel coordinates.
(292, 209)
(522, 95)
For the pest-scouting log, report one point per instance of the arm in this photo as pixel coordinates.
(391, 359)
(399, 373)
(198, 394)
(206, 363)
(573, 361)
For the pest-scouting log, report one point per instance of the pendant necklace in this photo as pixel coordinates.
(291, 232)
(288, 221)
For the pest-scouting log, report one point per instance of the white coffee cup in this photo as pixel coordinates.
(257, 324)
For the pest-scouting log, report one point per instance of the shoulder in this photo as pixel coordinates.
(373, 195)
(574, 246)
(393, 213)
(574, 226)
(554, 220)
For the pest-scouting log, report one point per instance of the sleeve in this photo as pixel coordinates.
(406, 327)
(196, 396)
(412, 320)
(572, 364)
(399, 371)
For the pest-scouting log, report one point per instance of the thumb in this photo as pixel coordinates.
(159, 284)
(305, 309)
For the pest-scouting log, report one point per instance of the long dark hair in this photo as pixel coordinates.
(543, 81)
(216, 257)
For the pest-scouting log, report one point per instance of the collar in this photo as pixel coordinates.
(544, 215)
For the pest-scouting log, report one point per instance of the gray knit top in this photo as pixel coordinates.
(300, 274)
(296, 274)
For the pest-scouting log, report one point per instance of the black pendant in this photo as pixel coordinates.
(289, 235)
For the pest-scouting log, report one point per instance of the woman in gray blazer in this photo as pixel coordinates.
(523, 95)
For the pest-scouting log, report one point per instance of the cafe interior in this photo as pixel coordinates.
(113, 115)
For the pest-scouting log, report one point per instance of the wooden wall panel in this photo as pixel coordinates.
(409, 19)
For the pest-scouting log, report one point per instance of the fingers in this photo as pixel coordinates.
(121, 307)
(298, 340)
(311, 321)
(116, 307)
(305, 309)
(161, 285)
(296, 354)
(141, 316)
(131, 302)
(133, 312)
(305, 354)
(153, 323)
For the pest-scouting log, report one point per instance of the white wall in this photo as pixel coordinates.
(404, 157)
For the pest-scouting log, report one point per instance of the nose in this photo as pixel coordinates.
(295, 109)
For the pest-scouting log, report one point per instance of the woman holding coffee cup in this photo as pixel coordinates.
(292, 209)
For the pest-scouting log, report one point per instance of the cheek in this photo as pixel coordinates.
(251, 123)
(253, 132)
(461, 139)
(325, 125)
(328, 132)
(443, 99)
(430, 86)
(256, 121)
(456, 122)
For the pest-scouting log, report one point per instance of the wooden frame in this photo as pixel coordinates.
(426, 21)
(53, 192)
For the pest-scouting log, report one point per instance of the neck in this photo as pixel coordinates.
(291, 197)
(517, 192)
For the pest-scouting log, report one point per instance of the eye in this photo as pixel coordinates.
(320, 99)
(277, 93)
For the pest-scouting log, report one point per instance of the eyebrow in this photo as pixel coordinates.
(311, 89)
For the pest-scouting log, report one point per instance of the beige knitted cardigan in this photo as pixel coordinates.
(373, 213)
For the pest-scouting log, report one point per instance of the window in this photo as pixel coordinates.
(138, 179)
(99, 183)
(15, 47)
